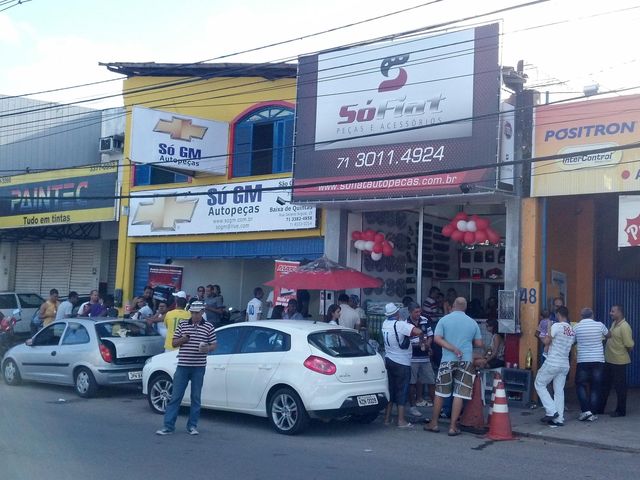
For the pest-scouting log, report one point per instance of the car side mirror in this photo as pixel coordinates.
(29, 342)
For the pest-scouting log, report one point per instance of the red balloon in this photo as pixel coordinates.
(447, 230)
(493, 236)
(387, 250)
(377, 248)
(482, 223)
(369, 235)
(469, 238)
(460, 216)
(457, 236)
(379, 238)
(356, 235)
(481, 236)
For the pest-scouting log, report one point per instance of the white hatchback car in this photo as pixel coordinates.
(286, 370)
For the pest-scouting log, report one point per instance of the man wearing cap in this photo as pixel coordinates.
(457, 334)
(195, 338)
(172, 318)
(396, 336)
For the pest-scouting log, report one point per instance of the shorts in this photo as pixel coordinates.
(399, 376)
(423, 373)
(455, 378)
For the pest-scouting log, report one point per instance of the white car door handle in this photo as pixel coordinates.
(265, 367)
(218, 367)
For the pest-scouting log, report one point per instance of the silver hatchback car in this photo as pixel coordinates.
(85, 353)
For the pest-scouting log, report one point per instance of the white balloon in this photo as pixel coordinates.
(359, 244)
(471, 226)
(376, 256)
(368, 245)
(462, 225)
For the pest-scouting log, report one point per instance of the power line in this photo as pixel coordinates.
(375, 40)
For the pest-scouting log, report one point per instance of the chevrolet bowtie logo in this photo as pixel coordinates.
(180, 129)
(163, 214)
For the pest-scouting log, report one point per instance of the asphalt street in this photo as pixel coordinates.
(47, 432)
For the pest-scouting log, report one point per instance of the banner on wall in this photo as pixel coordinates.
(180, 142)
(59, 197)
(227, 208)
(371, 114)
(574, 129)
(629, 221)
(281, 296)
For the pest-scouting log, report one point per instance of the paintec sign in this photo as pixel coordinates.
(375, 121)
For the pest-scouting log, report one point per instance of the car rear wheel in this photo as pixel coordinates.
(160, 388)
(365, 418)
(11, 373)
(85, 383)
(287, 413)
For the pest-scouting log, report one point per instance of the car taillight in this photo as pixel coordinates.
(106, 353)
(320, 365)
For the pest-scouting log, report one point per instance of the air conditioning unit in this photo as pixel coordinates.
(111, 144)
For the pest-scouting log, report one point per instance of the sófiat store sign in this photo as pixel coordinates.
(376, 120)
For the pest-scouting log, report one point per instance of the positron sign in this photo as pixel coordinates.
(409, 108)
(59, 197)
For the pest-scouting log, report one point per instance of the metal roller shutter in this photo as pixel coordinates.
(85, 266)
(29, 267)
(56, 268)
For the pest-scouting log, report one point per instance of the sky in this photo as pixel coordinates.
(51, 44)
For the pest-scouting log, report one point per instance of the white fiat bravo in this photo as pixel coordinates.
(286, 370)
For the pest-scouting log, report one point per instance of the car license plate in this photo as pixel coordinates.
(137, 375)
(366, 400)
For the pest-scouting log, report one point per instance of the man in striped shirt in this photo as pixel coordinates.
(195, 338)
(590, 370)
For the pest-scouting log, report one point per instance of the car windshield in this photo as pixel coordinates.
(341, 343)
(124, 328)
(30, 300)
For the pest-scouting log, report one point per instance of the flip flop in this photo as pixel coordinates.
(454, 433)
(432, 430)
(406, 425)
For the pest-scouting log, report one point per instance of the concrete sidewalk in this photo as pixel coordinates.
(620, 434)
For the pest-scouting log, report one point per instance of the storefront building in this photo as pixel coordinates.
(399, 144)
(210, 149)
(58, 206)
(582, 223)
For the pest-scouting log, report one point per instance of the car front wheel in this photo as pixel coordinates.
(11, 373)
(85, 383)
(160, 388)
(287, 413)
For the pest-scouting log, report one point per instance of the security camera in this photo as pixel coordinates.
(465, 187)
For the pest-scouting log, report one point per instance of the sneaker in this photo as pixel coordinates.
(443, 415)
(414, 412)
(548, 418)
(585, 416)
(592, 418)
(193, 431)
(164, 431)
(429, 403)
(555, 423)
(421, 403)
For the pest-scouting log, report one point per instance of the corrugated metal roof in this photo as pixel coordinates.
(270, 71)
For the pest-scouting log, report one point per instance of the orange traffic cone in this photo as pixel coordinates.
(473, 415)
(500, 423)
(496, 380)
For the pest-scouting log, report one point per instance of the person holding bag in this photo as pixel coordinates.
(397, 340)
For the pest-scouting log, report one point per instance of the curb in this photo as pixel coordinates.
(579, 443)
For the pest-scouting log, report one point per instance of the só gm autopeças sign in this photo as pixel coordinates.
(373, 121)
(57, 197)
